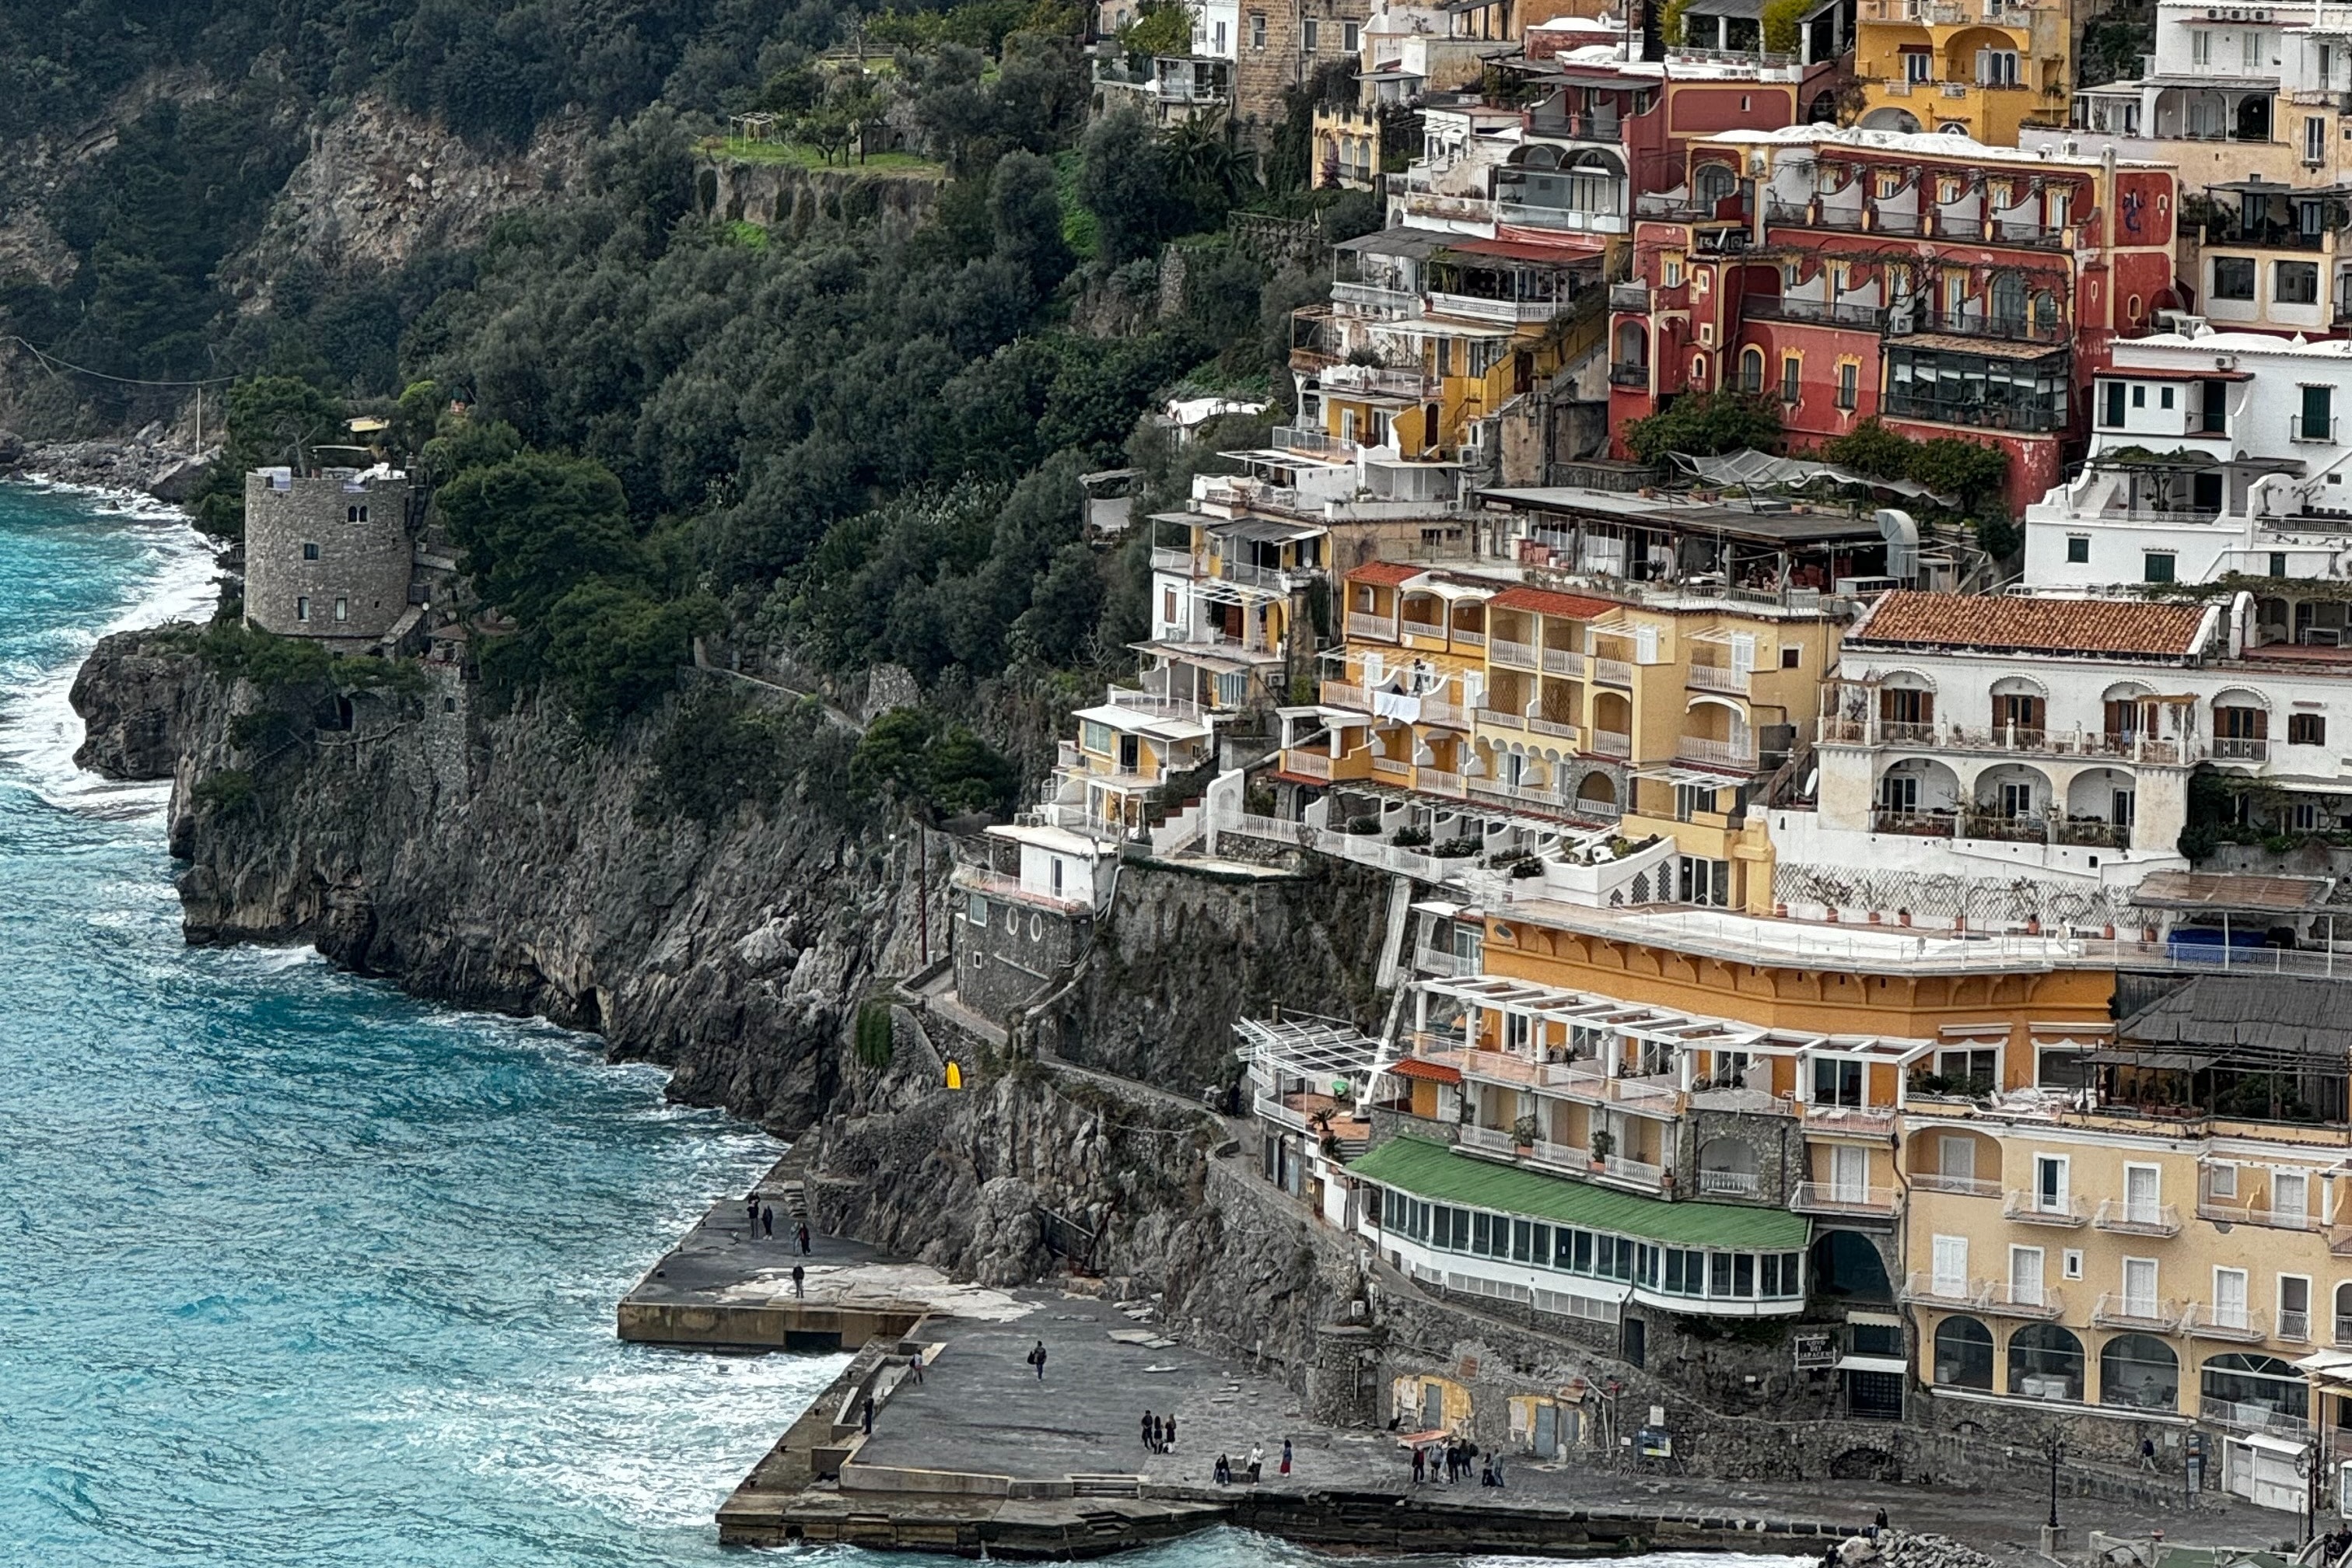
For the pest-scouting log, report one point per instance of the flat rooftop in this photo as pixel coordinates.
(1789, 943)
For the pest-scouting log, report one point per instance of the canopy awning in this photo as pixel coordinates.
(2230, 892)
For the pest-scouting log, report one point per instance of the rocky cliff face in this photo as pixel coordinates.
(140, 695)
(380, 184)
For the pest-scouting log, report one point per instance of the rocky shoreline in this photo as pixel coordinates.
(149, 463)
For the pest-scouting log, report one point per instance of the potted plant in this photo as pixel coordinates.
(1523, 1134)
(1604, 1143)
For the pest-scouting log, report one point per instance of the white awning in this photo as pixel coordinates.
(1895, 1363)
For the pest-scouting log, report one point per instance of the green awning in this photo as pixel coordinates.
(1435, 1172)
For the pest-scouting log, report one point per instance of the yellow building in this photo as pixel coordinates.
(1659, 716)
(1706, 1060)
(2152, 1242)
(1984, 70)
(1127, 750)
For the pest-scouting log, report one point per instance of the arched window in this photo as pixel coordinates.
(1711, 183)
(2251, 1390)
(1632, 347)
(2139, 1371)
(1964, 1354)
(2046, 311)
(1752, 369)
(2046, 1361)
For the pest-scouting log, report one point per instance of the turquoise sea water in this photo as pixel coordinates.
(294, 1270)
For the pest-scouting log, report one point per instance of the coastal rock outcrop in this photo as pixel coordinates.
(138, 695)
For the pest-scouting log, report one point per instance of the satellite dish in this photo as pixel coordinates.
(1812, 781)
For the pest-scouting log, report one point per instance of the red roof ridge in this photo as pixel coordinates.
(1550, 602)
(1388, 573)
(2031, 623)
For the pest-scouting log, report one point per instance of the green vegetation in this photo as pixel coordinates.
(1781, 23)
(1970, 472)
(802, 155)
(939, 770)
(1702, 423)
(728, 749)
(873, 1042)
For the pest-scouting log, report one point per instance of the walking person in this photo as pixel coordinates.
(1037, 1359)
(1157, 1446)
(805, 1238)
(1167, 1435)
(752, 1214)
(1419, 1464)
(917, 1364)
(1256, 1461)
(768, 1222)
(866, 1416)
(797, 1280)
(1285, 1456)
(2147, 1455)
(1146, 1428)
(1498, 1469)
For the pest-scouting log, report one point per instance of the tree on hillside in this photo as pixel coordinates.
(272, 420)
(1123, 182)
(1703, 423)
(535, 526)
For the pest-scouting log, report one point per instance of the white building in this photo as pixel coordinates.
(1216, 28)
(2211, 455)
(2006, 759)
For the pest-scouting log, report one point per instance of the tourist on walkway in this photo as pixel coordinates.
(1154, 1437)
(2147, 1457)
(804, 1237)
(1167, 1435)
(1285, 1456)
(1878, 1525)
(1147, 1429)
(797, 1278)
(1037, 1359)
(866, 1413)
(1498, 1469)
(768, 1222)
(751, 1213)
(1486, 1474)
(1257, 1461)
(917, 1364)
(1419, 1464)
(1223, 1471)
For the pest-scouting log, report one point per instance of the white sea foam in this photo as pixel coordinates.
(39, 730)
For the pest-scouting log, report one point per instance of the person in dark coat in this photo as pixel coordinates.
(768, 1222)
(866, 1416)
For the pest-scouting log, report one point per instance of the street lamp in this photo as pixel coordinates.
(2056, 1443)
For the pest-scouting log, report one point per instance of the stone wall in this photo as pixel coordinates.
(339, 548)
(1005, 963)
(787, 197)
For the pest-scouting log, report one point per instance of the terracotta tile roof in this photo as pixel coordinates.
(1544, 601)
(2134, 627)
(1386, 573)
(1434, 1072)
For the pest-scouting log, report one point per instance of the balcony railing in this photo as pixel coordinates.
(1562, 1156)
(2294, 1324)
(2301, 428)
(2118, 1309)
(1308, 764)
(1612, 671)
(1868, 318)
(1362, 627)
(1730, 1183)
(1517, 655)
(1609, 743)
(1438, 781)
(2031, 417)
(2245, 1211)
(2343, 1329)
(1636, 377)
(1307, 439)
(1957, 1186)
(1837, 1197)
(1379, 380)
(2252, 1416)
(1633, 1172)
(1490, 1139)
(1998, 1298)
(1166, 560)
(2241, 749)
(1502, 717)
(1344, 694)
(1444, 962)
(1737, 755)
(1554, 727)
(2208, 1322)
(2136, 1219)
(1562, 661)
(2123, 745)
(1630, 297)
(1718, 678)
(2028, 1207)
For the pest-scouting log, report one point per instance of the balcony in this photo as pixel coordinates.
(1636, 377)
(1378, 381)
(2136, 1219)
(2025, 1207)
(1179, 561)
(1517, 655)
(2251, 1416)
(1442, 962)
(1562, 661)
(2027, 417)
(1629, 1173)
(2237, 1323)
(1439, 781)
(1362, 627)
(2303, 428)
(1736, 756)
(1501, 718)
(2293, 1325)
(1731, 1184)
(1832, 1198)
(1553, 727)
(1718, 678)
(1609, 743)
(1612, 671)
(1344, 694)
(1867, 317)
(1994, 1298)
(1956, 1186)
(1488, 1139)
(1392, 770)
(2241, 749)
(2115, 1310)
(1634, 296)
(2232, 1210)
(1561, 1156)
(1509, 313)
(2002, 1299)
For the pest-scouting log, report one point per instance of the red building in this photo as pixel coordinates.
(1945, 287)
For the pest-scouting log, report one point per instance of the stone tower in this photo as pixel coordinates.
(327, 554)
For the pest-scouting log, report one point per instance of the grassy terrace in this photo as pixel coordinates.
(735, 149)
